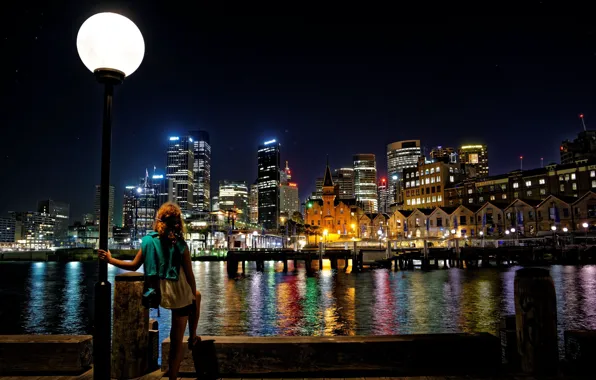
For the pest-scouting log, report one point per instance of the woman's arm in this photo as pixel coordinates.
(126, 265)
(187, 267)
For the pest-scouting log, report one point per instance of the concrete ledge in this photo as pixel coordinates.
(441, 354)
(45, 353)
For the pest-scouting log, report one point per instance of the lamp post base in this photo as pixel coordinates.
(101, 341)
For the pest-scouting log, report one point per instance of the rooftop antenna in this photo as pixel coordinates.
(581, 116)
(521, 162)
(541, 162)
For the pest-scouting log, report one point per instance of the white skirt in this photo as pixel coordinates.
(176, 294)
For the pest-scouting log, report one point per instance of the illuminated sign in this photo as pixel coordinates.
(158, 176)
(190, 139)
(175, 138)
(129, 187)
(292, 184)
(269, 142)
(473, 158)
(394, 178)
(472, 147)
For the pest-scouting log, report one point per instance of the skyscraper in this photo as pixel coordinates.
(201, 170)
(179, 170)
(401, 155)
(253, 203)
(383, 195)
(268, 160)
(289, 201)
(61, 212)
(365, 181)
(444, 154)
(110, 208)
(233, 196)
(475, 158)
(344, 179)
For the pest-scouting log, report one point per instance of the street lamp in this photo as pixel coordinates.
(112, 47)
(585, 226)
(254, 239)
(565, 229)
(506, 232)
(453, 231)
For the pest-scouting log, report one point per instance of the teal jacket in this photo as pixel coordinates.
(158, 262)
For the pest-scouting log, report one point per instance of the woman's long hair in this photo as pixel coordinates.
(168, 222)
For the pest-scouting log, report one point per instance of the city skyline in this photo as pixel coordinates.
(323, 83)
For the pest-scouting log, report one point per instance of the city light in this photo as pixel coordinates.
(174, 138)
(554, 228)
(585, 225)
(565, 229)
(158, 176)
(269, 142)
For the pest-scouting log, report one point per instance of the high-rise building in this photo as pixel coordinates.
(581, 148)
(35, 229)
(139, 207)
(88, 218)
(179, 170)
(285, 174)
(444, 154)
(400, 155)
(160, 184)
(61, 212)
(201, 170)
(253, 203)
(97, 207)
(318, 194)
(215, 203)
(268, 180)
(289, 201)
(128, 205)
(344, 179)
(383, 195)
(475, 159)
(7, 230)
(233, 196)
(365, 182)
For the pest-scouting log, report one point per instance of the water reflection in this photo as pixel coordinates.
(57, 297)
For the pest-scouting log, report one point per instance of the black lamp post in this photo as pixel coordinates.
(112, 47)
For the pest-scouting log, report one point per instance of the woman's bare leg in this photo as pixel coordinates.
(194, 319)
(176, 347)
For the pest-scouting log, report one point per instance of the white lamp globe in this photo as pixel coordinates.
(585, 225)
(110, 41)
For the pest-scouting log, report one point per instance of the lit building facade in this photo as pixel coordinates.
(475, 159)
(268, 180)
(383, 195)
(34, 230)
(201, 148)
(400, 155)
(424, 186)
(330, 213)
(7, 230)
(180, 172)
(233, 196)
(343, 178)
(444, 154)
(564, 181)
(289, 201)
(253, 203)
(97, 207)
(61, 212)
(583, 147)
(365, 182)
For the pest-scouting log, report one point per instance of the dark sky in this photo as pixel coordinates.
(321, 85)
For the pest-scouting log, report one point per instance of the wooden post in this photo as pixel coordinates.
(231, 264)
(285, 261)
(536, 321)
(131, 327)
(243, 266)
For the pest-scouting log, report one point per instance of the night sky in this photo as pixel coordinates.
(320, 85)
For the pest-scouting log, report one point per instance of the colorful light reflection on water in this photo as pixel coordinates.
(44, 298)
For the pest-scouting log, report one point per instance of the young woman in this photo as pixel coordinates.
(166, 257)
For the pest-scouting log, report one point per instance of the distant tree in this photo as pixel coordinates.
(297, 217)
